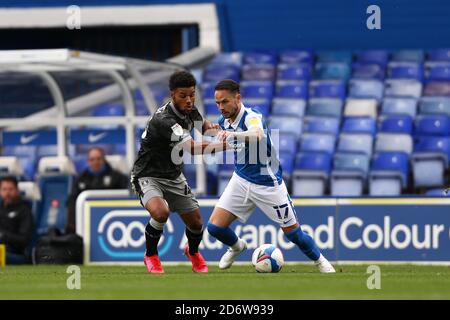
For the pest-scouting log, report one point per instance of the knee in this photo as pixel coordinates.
(161, 215)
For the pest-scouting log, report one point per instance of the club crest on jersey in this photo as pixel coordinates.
(177, 129)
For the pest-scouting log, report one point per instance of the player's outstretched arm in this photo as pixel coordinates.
(204, 147)
(252, 134)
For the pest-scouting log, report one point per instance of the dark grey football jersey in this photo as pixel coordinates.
(165, 129)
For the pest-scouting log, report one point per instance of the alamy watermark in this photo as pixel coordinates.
(74, 280)
(373, 22)
(73, 21)
(374, 280)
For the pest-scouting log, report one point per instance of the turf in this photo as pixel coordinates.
(239, 282)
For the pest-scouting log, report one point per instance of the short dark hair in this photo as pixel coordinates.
(11, 179)
(229, 85)
(181, 79)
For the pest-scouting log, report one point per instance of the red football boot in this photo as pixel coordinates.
(153, 264)
(197, 260)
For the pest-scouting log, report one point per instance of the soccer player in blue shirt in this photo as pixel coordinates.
(256, 182)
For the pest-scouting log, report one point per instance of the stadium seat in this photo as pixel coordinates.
(259, 57)
(332, 70)
(288, 107)
(11, 166)
(359, 125)
(262, 105)
(311, 173)
(349, 174)
(355, 143)
(257, 89)
(286, 125)
(211, 108)
(394, 142)
(207, 89)
(29, 190)
(335, 56)
(300, 71)
(109, 110)
(400, 106)
(327, 89)
(258, 72)
(296, 56)
(437, 71)
(405, 70)
(408, 56)
(389, 174)
(118, 162)
(438, 55)
(287, 160)
(403, 88)
(362, 70)
(325, 107)
(312, 124)
(396, 124)
(437, 88)
(228, 58)
(217, 72)
(440, 192)
(365, 88)
(434, 105)
(315, 142)
(430, 160)
(286, 142)
(361, 108)
(292, 89)
(380, 57)
(432, 125)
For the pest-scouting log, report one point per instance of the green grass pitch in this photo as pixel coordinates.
(239, 282)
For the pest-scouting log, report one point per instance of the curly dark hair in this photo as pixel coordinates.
(181, 79)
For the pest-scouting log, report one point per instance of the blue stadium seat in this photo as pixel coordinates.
(437, 88)
(228, 58)
(286, 142)
(334, 56)
(393, 142)
(288, 107)
(160, 92)
(257, 89)
(211, 108)
(349, 174)
(300, 71)
(218, 72)
(396, 124)
(389, 174)
(408, 56)
(292, 89)
(405, 106)
(437, 71)
(359, 125)
(109, 110)
(286, 125)
(332, 70)
(403, 88)
(287, 160)
(296, 56)
(312, 124)
(262, 105)
(325, 107)
(258, 57)
(405, 70)
(207, 89)
(258, 72)
(361, 70)
(311, 174)
(430, 160)
(380, 57)
(315, 142)
(434, 105)
(364, 88)
(438, 55)
(439, 192)
(327, 89)
(355, 143)
(432, 125)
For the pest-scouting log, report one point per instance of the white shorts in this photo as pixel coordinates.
(241, 197)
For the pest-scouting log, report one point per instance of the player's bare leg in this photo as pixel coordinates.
(159, 212)
(295, 234)
(218, 227)
(194, 234)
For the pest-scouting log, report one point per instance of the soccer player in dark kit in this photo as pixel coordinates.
(157, 172)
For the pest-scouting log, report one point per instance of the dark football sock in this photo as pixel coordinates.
(194, 239)
(152, 236)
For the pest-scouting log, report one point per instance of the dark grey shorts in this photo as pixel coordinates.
(176, 192)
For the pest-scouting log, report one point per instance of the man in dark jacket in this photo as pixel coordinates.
(98, 175)
(16, 222)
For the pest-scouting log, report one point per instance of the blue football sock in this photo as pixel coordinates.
(305, 243)
(225, 235)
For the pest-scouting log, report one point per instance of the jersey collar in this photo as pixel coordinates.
(235, 124)
(177, 113)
